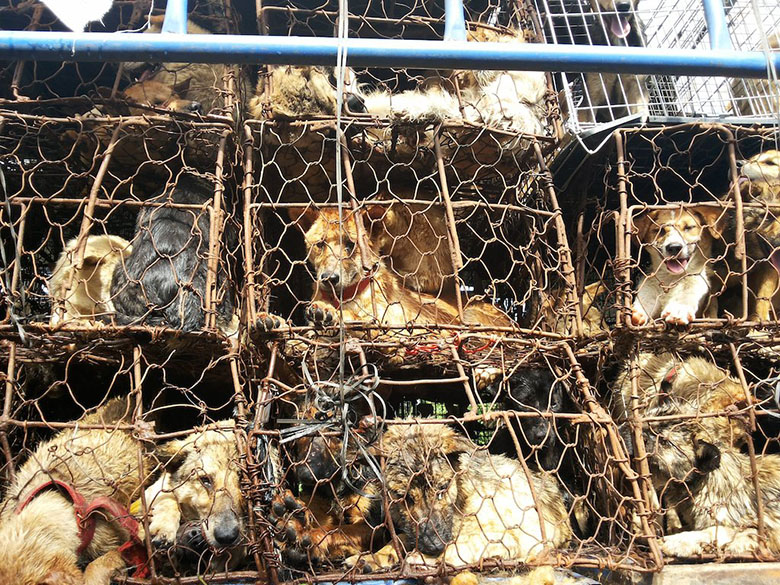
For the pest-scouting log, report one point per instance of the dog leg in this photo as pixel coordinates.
(385, 558)
(100, 571)
(164, 513)
(686, 299)
(764, 284)
(321, 314)
(723, 539)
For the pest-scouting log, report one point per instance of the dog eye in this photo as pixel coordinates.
(688, 228)
(349, 246)
(205, 480)
(319, 245)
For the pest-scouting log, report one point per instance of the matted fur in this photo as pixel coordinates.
(681, 277)
(38, 546)
(710, 484)
(201, 484)
(82, 294)
(453, 502)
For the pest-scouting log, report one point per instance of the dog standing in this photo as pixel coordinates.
(710, 483)
(42, 540)
(83, 294)
(163, 280)
(610, 96)
(453, 502)
(681, 279)
(199, 488)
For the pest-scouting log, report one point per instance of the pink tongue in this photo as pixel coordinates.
(619, 26)
(676, 266)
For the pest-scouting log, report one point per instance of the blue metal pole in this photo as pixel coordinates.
(57, 46)
(717, 27)
(175, 17)
(454, 21)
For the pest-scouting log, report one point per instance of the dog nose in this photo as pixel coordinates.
(431, 544)
(673, 249)
(622, 6)
(226, 533)
(740, 163)
(195, 107)
(331, 277)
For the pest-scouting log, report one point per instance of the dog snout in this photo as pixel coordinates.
(227, 530)
(430, 540)
(332, 278)
(195, 107)
(623, 6)
(673, 248)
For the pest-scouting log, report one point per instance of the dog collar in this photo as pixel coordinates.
(351, 291)
(132, 551)
(670, 375)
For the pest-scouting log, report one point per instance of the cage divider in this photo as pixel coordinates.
(740, 249)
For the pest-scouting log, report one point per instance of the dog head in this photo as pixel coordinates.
(421, 469)
(617, 14)
(204, 479)
(682, 450)
(759, 176)
(675, 237)
(149, 92)
(332, 247)
(536, 390)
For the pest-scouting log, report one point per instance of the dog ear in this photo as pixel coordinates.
(707, 456)
(172, 455)
(304, 217)
(713, 218)
(182, 87)
(455, 447)
(643, 223)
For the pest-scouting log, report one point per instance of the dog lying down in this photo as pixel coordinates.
(42, 539)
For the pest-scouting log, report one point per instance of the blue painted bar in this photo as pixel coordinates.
(58, 46)
(717, 27)
(454, 21)
(175, 17)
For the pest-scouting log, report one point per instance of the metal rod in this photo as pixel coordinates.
(175, 17)
(59, 46)
(454, 22)
(717, 27)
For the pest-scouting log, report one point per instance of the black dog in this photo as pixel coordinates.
(163, 280)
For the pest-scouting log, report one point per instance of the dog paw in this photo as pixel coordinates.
(639, 317)
(267, 322)
(321, 315)
(678, 314)
(301, 543)
(163, 529)
(486, 376)
(384, 558)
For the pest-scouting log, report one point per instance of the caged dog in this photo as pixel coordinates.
(609, 95)
(196, 504)
(710, 483)
(452, 502)
(163, 280)
(681, 279)
(66, 508)
(82, 294)
(760, 184)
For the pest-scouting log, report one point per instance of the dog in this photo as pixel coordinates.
(343, 283)
(45, 526)
(512, 101)
(710, 483)
(452, 502)
(81, 294)
(610, 96)
(163, 280)
(199, 490)
(156, 94)
(596, 307)
(682, 277)
(197, 82)
(759, 183)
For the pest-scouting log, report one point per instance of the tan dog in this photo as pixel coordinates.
(85, 293)
(710, 483)
(200, 484)
(39, 544)
(681, 277)
(368, 293)
(452, 502)
(156, 94)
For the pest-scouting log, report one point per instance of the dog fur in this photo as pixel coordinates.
(611, 96)
(82, 294)
(200, 485)
(760, 184)
(156, 94)
(710, 484)
(512, 101)
(163, 280)
(38, 546)
(681, 278)
(452, 502)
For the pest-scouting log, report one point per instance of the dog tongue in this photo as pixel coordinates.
(620, 26)
(676, 266)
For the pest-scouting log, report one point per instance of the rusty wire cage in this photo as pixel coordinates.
(593, 99)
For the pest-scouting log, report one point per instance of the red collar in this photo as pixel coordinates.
(350, 292)
(133, 551)
(670, 375)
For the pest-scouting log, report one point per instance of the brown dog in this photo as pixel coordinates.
(42, 540)
(156, 94)
(679, 285)
(452, 502)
